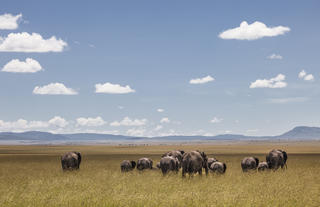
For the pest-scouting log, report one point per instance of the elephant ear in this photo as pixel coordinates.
(285, 156)
(133, 164)
(224, 167)
(79, 156)
(257, 161)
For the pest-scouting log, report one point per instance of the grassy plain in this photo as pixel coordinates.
(32, 176)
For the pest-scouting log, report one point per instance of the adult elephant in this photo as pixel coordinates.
(277, 158)
(175, 153)
(144, 163)
(211, 160)
(249, 163)
(71, 161)
(127, 165)
(263, 166)
(218, 167)
(193, 162)
(168, 164)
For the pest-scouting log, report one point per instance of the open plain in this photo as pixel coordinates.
(32, 176)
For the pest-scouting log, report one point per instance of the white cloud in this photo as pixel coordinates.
(136, 132)
(9, 21)
(160, 110)
(158, 127)
(165, 120)
(25, 42)
(113, 88)
(274, 56)
(28, 66)
(307, 77)
(129, 122)
(253, 31)
(98, 121)
(276, 82)
(58, 122)
(201, 80)
(215, 120)
(24, 125)
(54, 89)
(287, 100)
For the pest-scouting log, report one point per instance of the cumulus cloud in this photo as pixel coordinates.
(136, 132)
(9, 21)
(113, 88)
(201, 80)
(274, 57)
(307, 77)
(24, 125)
(160, 110)
(58, 122)
(54, 89)
(28, 66)
(98, 121)
(253, 31)
(129, 122)
(215, 120)
(276, 82)
(165, 120)
(25, 42)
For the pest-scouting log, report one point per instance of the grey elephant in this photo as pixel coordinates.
(277, 158)
(249, 163)
(71, 161)
(144, 163)
(193, 162)
(176, 154)
(211, 160)
(168, 164)
(127, 165)
(218, 167)
(263, 166)
(158, 165)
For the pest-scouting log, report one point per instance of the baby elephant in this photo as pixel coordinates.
(144, 163)
(71, 161)
(127, 165)
(169, 164)
(263, 166)
(249, 163)
(218, 167)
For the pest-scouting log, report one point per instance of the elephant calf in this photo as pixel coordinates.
(249, 163)
(169, 164)
(263, 166)
(211, 160)
(71, 161)
(144, 163)
(127, 165)
(218, 167)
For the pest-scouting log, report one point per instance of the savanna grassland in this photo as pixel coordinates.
(32, 176)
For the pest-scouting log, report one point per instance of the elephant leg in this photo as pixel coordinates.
(200, 172)
(206, 170)
(183, 173)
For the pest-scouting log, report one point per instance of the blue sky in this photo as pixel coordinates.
(156, 48)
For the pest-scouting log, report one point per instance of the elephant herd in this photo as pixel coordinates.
(190, 162)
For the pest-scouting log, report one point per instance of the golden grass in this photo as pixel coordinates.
(32, 176)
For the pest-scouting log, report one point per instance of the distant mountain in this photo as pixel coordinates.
(302, 132)
(36, 137)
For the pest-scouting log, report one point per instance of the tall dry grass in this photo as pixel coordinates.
(32, 176)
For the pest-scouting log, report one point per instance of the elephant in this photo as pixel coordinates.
(158, 165)
(169, 163)
(71, 161)
(175, 153)
(211, 160)
(249, 163)
(127, 165)
(193, 162)
(263, 166)
(277, 158)
(218, 167)
(144, 163)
